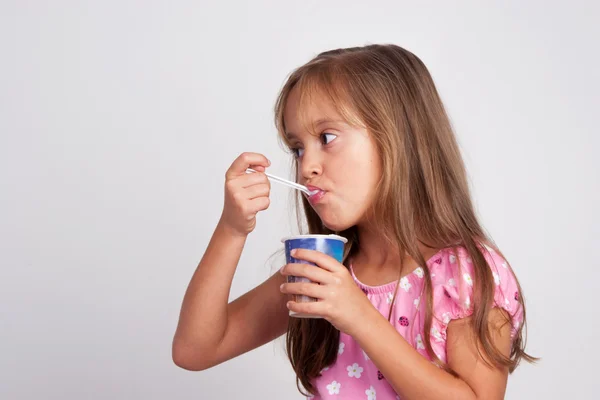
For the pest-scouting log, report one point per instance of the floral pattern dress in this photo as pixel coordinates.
(354, 376)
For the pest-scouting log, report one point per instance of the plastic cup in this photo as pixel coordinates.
(332, 245)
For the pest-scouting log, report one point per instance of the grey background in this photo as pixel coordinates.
(118, 120)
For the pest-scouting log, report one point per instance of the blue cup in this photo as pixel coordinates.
(332, 245)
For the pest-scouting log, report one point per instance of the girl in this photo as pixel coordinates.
(424, 306)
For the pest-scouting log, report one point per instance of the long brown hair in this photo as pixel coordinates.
(423, 193)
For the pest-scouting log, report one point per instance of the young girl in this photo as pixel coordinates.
(424, 306)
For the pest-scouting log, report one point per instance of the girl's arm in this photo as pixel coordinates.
(211, 331)
(414, 377)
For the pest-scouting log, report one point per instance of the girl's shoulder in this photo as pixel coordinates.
(454, 278)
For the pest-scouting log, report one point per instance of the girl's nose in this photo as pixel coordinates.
(310, 165)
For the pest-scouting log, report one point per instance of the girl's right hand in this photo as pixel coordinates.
(245, 194)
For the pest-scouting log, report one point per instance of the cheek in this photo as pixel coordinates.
(362, 177)
(359, 168)
(364, 186)
(356, 171)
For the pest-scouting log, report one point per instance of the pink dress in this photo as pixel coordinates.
(354, 376)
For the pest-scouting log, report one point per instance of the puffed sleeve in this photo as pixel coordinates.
(452, 285)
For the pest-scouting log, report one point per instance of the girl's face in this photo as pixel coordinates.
(338, 160)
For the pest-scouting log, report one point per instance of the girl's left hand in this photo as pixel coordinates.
(339, 300)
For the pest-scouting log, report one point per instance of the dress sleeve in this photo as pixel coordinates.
(453, 280)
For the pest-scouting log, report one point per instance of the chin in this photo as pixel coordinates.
(336, 225)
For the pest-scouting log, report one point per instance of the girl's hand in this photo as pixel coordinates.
(245, 194)
(339, 300)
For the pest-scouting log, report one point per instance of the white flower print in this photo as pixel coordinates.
(436, 334)
(446, 318)
(371, 394)
(451, 282)
(324, 369)
(390, 297)
(405, 284)
(418, 272)
(517, 325)
(366, 356)
(419, 342)
(334, 387)
(468, 302)
(452, 258)
(496, 278)
(468, 279)
(416, 302)
(354, 370)
(506, 301)
(341, 348)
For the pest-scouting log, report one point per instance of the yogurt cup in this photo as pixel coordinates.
(332, 245)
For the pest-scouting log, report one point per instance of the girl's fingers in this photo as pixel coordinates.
(314, 273)
(245, 161)
(259, 204)
(311, 308)
(254, 178)
(321, 259)
(261, 190)
(305, 288)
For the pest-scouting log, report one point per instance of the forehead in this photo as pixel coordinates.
(304, 110)
(314, 102)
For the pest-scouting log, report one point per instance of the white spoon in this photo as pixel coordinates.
(285, 182)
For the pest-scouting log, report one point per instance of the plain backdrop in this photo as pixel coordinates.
(118, 120)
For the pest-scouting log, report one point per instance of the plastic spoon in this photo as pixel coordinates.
(285, 182)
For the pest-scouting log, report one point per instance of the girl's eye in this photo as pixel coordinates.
(328, 138)
(325, 138)
(298, 152)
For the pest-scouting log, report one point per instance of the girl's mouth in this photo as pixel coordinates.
(316, 194)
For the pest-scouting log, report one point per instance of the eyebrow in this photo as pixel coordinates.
(318, 123)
